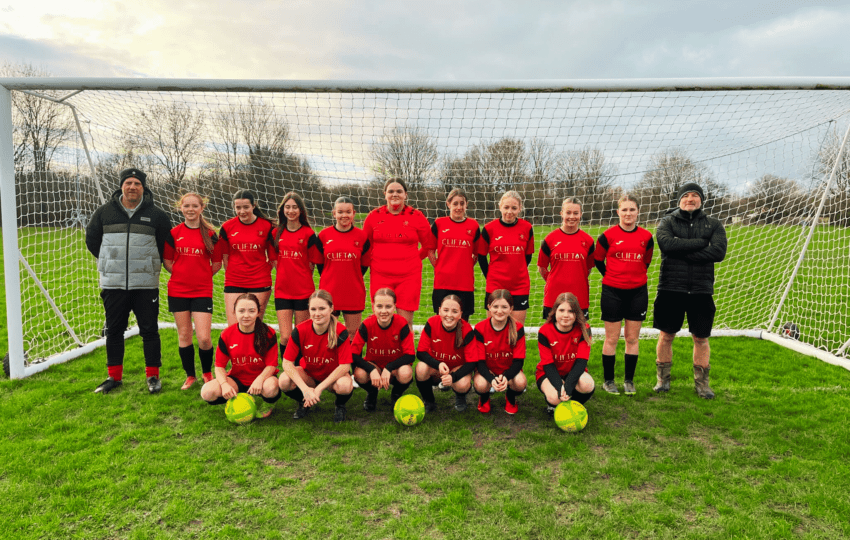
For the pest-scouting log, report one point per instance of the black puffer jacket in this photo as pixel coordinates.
(690, 244)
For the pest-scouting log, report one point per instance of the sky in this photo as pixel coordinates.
(437, 40)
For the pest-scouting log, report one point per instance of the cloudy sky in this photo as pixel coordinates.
(457, 40)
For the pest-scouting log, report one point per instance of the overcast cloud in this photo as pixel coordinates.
(428, 40)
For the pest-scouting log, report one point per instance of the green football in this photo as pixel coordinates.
(570, 416)
(240, 409)
(409, 410)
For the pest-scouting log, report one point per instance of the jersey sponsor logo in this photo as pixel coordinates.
(189, 251)
(342, 256)
(501, 355)
(247, 246)
(522, 237)
(289, 254)
(317, 360)
(564, 357)
(451, 242)
(234, 234)
(373, 338)
(406, 223)
(643, 243)
(262, 233)
(575, 340)
(469, 232)
(618, 243)
(308, 346)
(356, 243)
(181, 238)
(300, 240)
(436, 340)
(568, 257)
(508, 250)
(395, 337)
(446, 357)
(553, 343)
(244, 360)
(629, 257)
(233, 346)
(444, 231)
(487, 343)
(384, 352)
(329, 241)
(557, 244)
(498, 238)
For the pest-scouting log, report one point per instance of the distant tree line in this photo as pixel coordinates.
(249, 146)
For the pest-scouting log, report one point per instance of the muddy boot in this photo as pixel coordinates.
(701, 382)
(662, 373)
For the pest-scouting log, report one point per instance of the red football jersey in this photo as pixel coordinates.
(440, 343)
(383, 345)
(457, 252)
(627, 255)
(570, 259)
(310, 350)
(296, 252)
(191, 273)
(250, 250)
(560, 348)
(343, 255)
(494, 347)
(507, 247)
(395, 240)
(236, 347)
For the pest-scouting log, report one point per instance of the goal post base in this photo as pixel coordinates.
(808, 350)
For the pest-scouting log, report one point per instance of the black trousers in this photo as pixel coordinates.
(118, 304)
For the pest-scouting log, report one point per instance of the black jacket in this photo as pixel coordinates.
(690, 244)
(128, 250)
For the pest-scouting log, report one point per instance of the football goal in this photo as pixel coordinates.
(768, 152)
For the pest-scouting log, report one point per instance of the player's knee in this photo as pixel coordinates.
(343, 386)
(211, 391)
(700, 341)
(665, 338)
(270, 387)
(360, 375)
(481, 384)
(585, 384)
(423, 371)
(284, 383)
(404, 374)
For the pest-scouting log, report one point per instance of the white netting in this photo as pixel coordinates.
(761, 156)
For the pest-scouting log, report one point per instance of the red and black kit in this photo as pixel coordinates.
(237, 348)
(625, 256)
(390, 347)
(345, 255)
(563, 356)
(510, 248)
(570, 259)
(309, 350)
(250, 251)
(494, 352)
(457, 251)
(191, 273)
(296, 252)
(436, 344)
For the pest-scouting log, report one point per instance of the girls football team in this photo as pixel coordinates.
(319, 352)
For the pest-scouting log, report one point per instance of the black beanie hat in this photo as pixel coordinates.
(690, 187)
(133, 173)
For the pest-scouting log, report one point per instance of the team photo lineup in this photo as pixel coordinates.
(323, 342)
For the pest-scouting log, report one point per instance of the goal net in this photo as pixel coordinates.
(764, 158)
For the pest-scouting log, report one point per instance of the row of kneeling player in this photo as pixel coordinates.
(452, 355)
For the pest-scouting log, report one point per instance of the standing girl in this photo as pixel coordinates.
(509, 242)
(446, 354)
(248, 253)
(345, 255)
(501, 354)
(193, 260)
(396, 232)
(390, 351)
(565, 259)
(627, 249)
(456, 238)
(318, 358)
(297, 253)
(250, 347)
(564, 345)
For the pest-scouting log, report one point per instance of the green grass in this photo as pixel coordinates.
(766, 459)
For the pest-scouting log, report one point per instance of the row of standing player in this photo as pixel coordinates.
(393, 241)
(319, 356)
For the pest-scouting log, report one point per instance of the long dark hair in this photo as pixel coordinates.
(504, 294)
(303, 218)
(206, 227)
(248, 194)
(263, 339)
(459, 325)
(571, 299)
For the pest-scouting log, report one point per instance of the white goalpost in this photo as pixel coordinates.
(770, 153)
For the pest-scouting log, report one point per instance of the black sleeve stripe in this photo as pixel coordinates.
(427, 328)
(485, 235)
(591, 249)
(603, 241)
(405, 331)
(477, 234)
(544, 247)
(520, 333)
(478, 336)
(531, 233)
(366, 246)
(650, 244)
(363, 333)
(314, 241)
(223, 233)
(342, 338)
(296, 338)
(320, 246)
(468, 339)
(434, 229)
(543, 340)
(222, 346)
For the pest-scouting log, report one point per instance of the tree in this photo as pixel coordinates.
(40, 126)
(670, 170)
(406, 152)
(172, 134)
(586, 174)
(775, 199)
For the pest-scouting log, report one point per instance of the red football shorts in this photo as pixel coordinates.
(408, 289)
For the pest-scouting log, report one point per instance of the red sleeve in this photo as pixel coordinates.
(590, 256)
(484, 242)
(407, 346)
(519, 348)
(583, 351)
(343, 353)
(529, 245)
(470, 351)
(366, 254)
(168, 253)
(293, 348)
(270, 358)
(542, 258)
(426, 238)
(425, 338)
(218, 250)
(600, 251)
(368, 226)
(545, 352)
(359, 340)
(225, 243)
(313, 253)
(271, 252)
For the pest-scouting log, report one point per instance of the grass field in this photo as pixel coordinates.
(766, 459)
